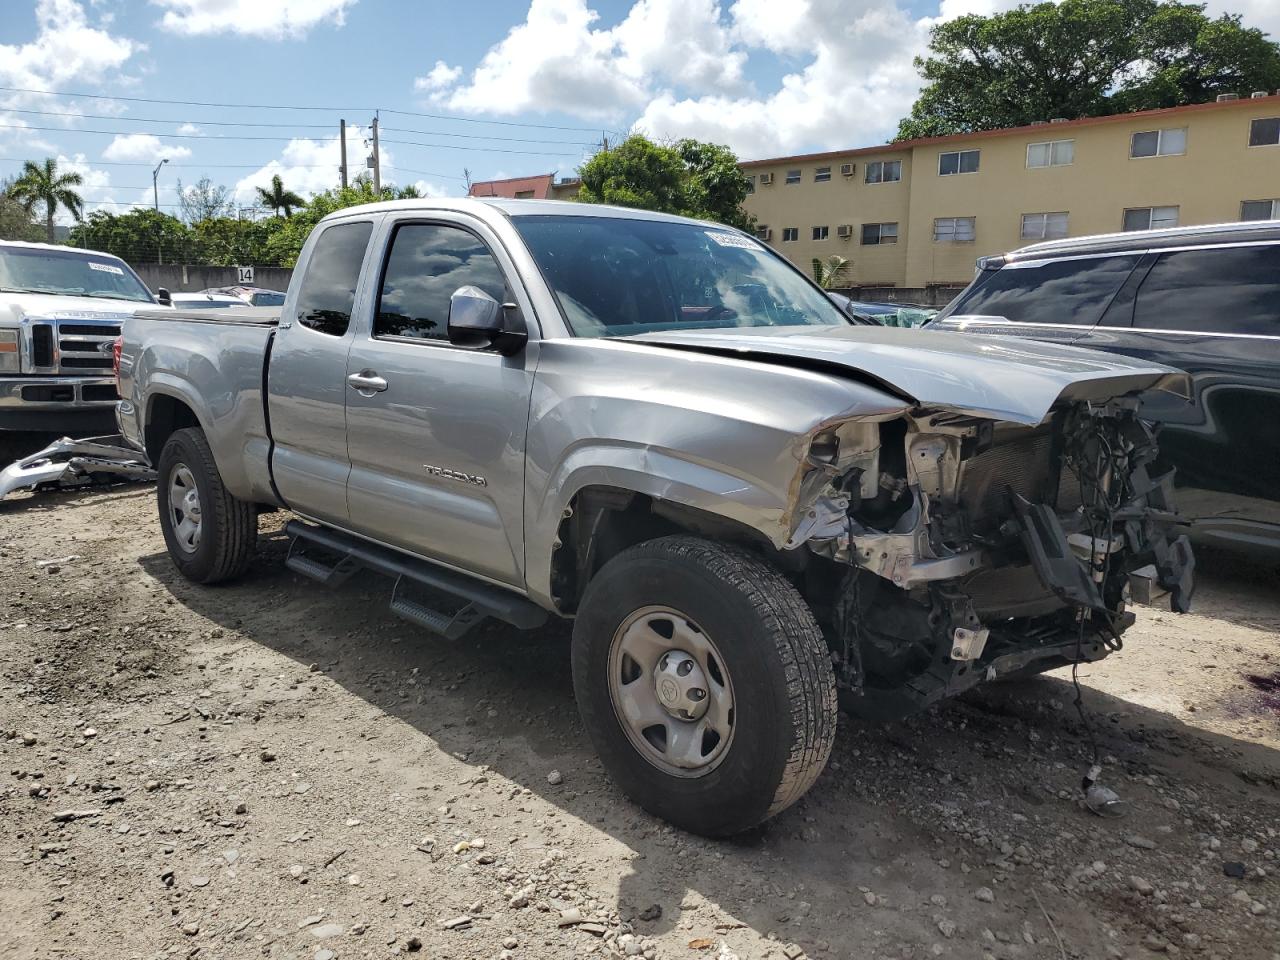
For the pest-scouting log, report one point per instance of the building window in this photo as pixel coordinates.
(1264, 132)
(524, 194)
(790, 234)
(954, 229)
(958, 161)
(1260, 210)
(762, 232)
(1051, 153)
(820, 233)
(1044, 226)
(793, 176)
(883, 171)
(751, 184)
(821, 174)
(877, 233)
(1158, 143)
(1150, 218)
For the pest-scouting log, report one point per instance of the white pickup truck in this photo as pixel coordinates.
(61, 310)
(661, 429)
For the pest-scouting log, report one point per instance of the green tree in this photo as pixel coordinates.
(42, 185)
(1082, 58)
(691, 178)
(142, 235)
(228, 242)
(278, 198)
(830, 273)
(15, 221)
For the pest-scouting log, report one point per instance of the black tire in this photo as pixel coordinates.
(228, 526)
(783, 687)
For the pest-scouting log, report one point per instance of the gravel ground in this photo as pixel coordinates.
(277, 769)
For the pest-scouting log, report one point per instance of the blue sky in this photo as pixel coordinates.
(511, 87)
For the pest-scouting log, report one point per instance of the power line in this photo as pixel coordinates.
(271, 106)
(240, 166)
(192, 136)
(272, 126)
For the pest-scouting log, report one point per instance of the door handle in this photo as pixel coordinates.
(366, 383)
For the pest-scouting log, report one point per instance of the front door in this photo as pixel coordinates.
(306, 389)
(436, 433)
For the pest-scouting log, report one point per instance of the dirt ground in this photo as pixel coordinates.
(277, 769)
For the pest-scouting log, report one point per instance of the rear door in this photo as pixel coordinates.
(435, 432)
(1215, 313)
(1050, 299)
(307, 389)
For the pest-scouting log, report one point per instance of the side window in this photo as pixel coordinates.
(1048, 291)
(328, 289)
(427, 263)
(1222, 290)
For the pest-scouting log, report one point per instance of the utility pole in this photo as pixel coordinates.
(155, 190)
(342, 138)
(377, 161)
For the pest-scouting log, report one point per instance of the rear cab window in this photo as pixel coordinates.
(328, 291)
(1071, 290)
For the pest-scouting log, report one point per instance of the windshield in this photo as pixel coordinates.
(267, 298)
(616, 277)
(73, 273)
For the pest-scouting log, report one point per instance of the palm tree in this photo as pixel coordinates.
(278, 198)
(43, 184)
(830, 273)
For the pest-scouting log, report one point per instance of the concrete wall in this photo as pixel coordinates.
(1207, 183)
(179, 278)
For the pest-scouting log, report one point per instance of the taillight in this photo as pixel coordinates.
(116, 346)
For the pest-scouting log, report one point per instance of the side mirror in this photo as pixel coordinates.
(162, 295)
(476, 320)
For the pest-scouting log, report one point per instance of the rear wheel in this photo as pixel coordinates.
(704, 683)
(210, 533)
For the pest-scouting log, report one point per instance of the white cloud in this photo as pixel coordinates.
(265, 18)
(308, 166)
(142, 147)
(66, 49)
(859, 81)
(440, 77)
(190, 130)
(680, 66)
(559, 59)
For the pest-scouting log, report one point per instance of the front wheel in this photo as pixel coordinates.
(704, 683)
(210, 533)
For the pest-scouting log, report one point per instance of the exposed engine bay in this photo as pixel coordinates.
(947, 549)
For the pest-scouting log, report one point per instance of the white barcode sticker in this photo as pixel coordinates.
(106, 268)
(732, 240)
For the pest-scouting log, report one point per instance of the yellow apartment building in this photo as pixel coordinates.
(917, 213)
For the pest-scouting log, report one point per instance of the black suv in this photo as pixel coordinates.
(1205, 299)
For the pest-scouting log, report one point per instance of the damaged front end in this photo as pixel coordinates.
(949, 549)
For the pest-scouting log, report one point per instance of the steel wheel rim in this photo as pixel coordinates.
(185, 517)
(658, 659)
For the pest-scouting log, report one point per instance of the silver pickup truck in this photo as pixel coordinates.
(657, 427)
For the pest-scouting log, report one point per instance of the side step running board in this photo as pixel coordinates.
(474, 599)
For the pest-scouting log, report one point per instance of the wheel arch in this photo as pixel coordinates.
(600, 521)
(166, 413)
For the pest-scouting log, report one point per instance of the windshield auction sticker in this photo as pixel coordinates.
(106, 268)
(732, 240)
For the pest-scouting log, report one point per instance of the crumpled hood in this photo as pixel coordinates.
(16, 306)
(1002, 378)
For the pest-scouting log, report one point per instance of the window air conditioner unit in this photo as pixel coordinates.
(765, 233)
(766, 179)
(846, 169)
(844, 231)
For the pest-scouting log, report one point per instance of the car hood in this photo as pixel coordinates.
(16, 306)
(1002, 378)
